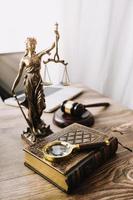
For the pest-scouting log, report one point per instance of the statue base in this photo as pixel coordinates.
(30, 139)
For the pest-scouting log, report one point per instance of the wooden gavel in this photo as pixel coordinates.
(77, 109)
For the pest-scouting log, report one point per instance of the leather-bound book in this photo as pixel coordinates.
(67, 173)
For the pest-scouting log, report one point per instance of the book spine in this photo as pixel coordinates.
(91, 163)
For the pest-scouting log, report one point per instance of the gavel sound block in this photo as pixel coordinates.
(62, 119)
(71, 112)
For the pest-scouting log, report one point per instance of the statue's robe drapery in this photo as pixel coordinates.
(35, 98)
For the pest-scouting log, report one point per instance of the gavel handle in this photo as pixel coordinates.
(106, 104)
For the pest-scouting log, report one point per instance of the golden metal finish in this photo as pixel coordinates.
(57, 150)
(68, 107)
(50, 157)
(35, 98)
(106, 140)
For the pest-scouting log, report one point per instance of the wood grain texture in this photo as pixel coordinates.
(112, 181)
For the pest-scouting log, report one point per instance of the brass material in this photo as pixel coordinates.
(33, 86)
(77, 146)
(106, 140)
(68, 150)
(68, 107)
(57, 150)
(56, 59)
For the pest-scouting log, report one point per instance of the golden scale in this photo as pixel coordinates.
(56, 59)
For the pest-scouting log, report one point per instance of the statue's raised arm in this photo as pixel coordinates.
(46, 51)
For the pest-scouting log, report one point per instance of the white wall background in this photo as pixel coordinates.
(20, 19)
(96, 38)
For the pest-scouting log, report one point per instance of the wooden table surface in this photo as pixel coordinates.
(112, 181)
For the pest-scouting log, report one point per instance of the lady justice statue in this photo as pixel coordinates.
(33, 86)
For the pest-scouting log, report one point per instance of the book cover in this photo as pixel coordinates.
(68, 172)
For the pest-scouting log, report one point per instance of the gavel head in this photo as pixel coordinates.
(73, 108)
